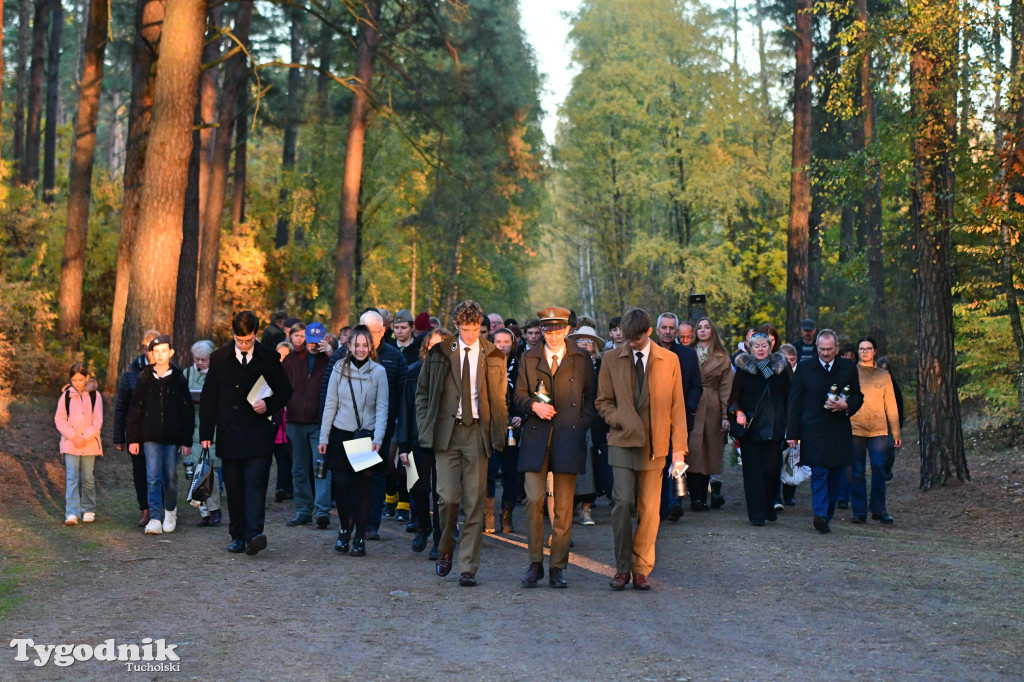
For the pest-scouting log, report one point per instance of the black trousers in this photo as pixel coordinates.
(762, 460)
(350, 488)
(508, 461)
(139, 478)
(245, 482)
(424, 493)
(697, 485)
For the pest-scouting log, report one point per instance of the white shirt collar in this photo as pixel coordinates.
(826, 365)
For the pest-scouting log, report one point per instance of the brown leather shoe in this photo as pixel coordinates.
(534, 573)
(640, 582)
(444, 564)
(467, 580)
(619, 582)
(145, 517)
(555, 578)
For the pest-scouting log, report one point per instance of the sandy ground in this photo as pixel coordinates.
(936, 596)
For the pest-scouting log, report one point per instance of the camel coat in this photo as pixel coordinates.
(706, 438)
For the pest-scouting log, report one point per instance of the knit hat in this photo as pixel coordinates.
(423, 321)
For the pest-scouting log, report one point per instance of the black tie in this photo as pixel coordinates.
(467, 392)
(828, 367)
(244, 361)
(639, 369)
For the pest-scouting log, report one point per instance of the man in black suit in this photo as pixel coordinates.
(554, 438)
(821, 424)
(693, 387)
(245, 434)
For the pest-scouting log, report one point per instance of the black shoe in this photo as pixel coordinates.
(759, 522)
(372, 534)
(389, 510)
(789, 502)
(402, 516)
(884, 518)
(419, 543)
(256, 545)
(236, 547)
(716, 495)
(322, 521)
(467, 580)
(675, 512)
(278, 496)
(300, 520)
(534, 572)
(697, 506)
(821, 524)
(359, 547)
(341, 546)
(412, 527)
(843, 504)
(858, 520)
(434, 553)
(772, 516)
(555, 578)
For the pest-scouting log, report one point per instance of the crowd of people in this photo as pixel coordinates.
(398, 418)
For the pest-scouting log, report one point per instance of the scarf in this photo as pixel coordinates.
(766, 367)
(702, 354)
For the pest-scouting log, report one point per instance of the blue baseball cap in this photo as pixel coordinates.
(315, 332)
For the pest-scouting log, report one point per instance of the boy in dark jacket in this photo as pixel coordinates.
(123, 399)
(161, 420)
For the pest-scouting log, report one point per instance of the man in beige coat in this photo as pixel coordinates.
(640, 396)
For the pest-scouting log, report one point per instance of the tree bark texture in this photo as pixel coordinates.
(149, 18)
(291, 130)
(21, 85)
(188, 260)
(208, 109)
(344, 260)
(52, 86)
(34, 113)
(1009, 233)
(871, 208)
(800, 184)
(72, 271)
(209, 250)
(154, 268)
(933, 65)
(241, 129)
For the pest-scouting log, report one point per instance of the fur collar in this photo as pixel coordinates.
(747, 363)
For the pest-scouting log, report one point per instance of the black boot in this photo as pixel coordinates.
(716, 495)
(341, 546)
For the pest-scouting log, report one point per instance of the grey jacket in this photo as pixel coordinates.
(369, 383)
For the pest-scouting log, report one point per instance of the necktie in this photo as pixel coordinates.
(828, 367)
(244, 361)
(467, 392)
(639, 370)
(554, 364)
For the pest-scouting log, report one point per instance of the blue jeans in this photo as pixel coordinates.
(311, 494)
(81, 487)
(874, 448)
(161, 478)
(843, 492)
(824, 489)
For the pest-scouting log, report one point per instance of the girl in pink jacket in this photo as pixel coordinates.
(79, 418)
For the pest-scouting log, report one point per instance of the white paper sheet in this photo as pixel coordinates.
(411, 475)
(360, 453)
(260, 391)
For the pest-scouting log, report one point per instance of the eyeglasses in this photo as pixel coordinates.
(243, 342)
(865, 350)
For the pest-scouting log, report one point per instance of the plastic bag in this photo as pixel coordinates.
(202, 481)
(794, 474)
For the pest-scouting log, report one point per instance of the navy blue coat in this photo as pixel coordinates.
(123, 399)
(572, 391)
(826, 437)
(693, 387)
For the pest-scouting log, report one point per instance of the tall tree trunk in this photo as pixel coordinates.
(241, 126)
(151, 292)
(762, 59)
(291, 129)
(344, 260)
(800, 184)
(115, 153)
(52, 86)
(871, 208)
(21, 85)
(208, 109)
(149, 18)
(33, 134)
(209, 251)
(72, 271)
(188, 260)
(933, 83)
(1010, 233)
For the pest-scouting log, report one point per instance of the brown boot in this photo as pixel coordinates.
(489, 515)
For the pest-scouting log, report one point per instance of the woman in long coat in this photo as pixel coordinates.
(707, 439)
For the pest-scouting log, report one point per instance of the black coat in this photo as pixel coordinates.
(767, 422)
(826, 437)
(161, 410)
(241, 433)
(407, 434)
(572, 394)
(693, 387)
(123, 399)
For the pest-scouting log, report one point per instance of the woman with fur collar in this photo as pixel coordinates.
(758, 403)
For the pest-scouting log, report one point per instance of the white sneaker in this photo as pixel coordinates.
(154, 527)
(170, 520)
(88, 517)
(70, 520)
(585, 518)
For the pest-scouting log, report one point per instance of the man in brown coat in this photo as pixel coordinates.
(640, 396)
(461, 414)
